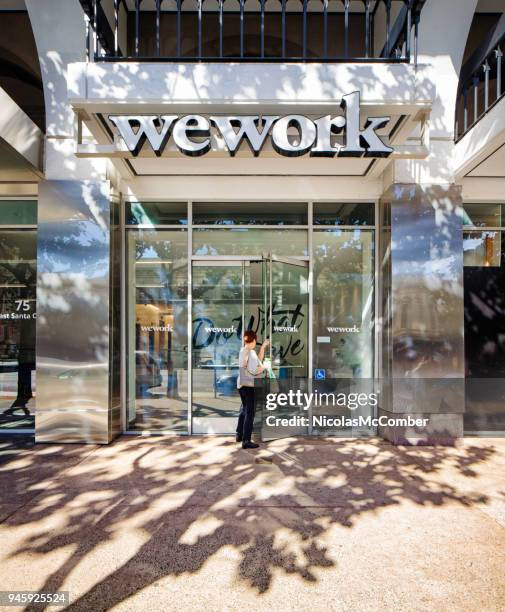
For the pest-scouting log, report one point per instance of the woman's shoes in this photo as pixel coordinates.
(250, 445)
(10, 411)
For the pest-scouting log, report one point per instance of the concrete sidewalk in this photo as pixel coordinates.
(200, 524)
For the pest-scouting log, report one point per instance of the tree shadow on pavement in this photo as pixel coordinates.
(190, 497)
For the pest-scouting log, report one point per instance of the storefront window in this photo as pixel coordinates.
(18, 280)
(482, 249)
(336, 213)
(250, 213)
(250, 269)
(485, 312)
(150, 214)
(482, 215)
(344, 302)
(247, 241)
(220, 295)
(484, 285)
(157, 330)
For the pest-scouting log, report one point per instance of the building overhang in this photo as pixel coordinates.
(402, 92)
(21, 143)
(481, 151)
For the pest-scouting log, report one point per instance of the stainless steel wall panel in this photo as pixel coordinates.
(73, 301)
(427, 282)
(423, 356)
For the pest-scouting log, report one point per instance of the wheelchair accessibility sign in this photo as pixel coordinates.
(319, 374)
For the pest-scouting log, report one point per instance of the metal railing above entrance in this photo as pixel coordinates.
(252, 30)
(481, 84)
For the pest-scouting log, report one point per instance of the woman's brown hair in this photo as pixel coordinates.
(250, 336)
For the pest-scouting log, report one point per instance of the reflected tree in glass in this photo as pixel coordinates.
(157, 329)
(344, 302)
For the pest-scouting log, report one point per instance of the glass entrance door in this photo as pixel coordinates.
(288, 303)
(268, 295)
(288, 323)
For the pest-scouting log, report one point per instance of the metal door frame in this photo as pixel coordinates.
(235, 261)
(242, 261)
(302, 263)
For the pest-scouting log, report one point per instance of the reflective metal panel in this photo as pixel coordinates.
(427, 282)
(73, 275)
(426, 297)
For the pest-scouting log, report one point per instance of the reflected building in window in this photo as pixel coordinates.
(18, 311)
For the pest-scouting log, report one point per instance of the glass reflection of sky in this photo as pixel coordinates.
(426, 246)
(75, 247)
(150, 252)
(353, 241)
(89, 234)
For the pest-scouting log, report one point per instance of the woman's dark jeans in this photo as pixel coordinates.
(246, 416)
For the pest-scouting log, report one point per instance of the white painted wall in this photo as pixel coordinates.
(58, 28)
(486, 136)
(19, 131)
(266, 87)
(443, 32)
(267, 188)
(483, 190)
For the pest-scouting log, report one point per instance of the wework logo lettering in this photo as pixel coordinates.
(291, 135)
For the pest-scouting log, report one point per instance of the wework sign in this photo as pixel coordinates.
(291, 135)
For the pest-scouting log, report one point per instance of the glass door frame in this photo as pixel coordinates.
(302, 262)
(240, 261)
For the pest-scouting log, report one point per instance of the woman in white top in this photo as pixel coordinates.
(250, 365)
